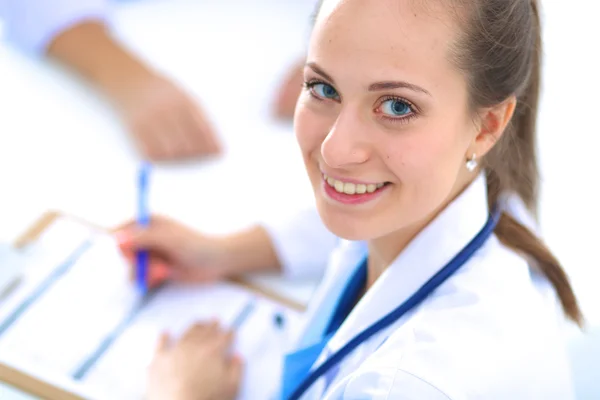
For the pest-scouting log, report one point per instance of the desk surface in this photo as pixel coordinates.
(62, 147)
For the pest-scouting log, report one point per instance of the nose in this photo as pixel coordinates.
(346, 143)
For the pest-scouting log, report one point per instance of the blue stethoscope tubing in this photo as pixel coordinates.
(419, 296)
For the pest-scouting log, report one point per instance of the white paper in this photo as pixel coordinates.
(11, 268)
(41, 258)
(74, 314)
(68, 322)
(121, 373)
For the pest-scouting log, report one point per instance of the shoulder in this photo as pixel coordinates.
(487, 333)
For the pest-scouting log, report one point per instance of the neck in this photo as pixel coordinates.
(385, 249)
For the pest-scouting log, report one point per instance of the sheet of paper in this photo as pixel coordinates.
(11, 267)
(67, 322)
(121, 373)
(54, 247)
(75, 312)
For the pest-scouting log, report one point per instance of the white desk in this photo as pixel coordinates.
(61, 147)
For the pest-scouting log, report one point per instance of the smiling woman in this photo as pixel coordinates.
(407, 139)
(417, 129)
(408, 109)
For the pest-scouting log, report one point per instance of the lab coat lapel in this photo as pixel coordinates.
(435, 246)
(343, 262)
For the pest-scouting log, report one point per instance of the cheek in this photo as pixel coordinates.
(412, 157)
(425, 163)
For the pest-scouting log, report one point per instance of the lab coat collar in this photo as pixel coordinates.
(427, 253)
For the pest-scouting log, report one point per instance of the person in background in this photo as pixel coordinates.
(164, 121)
(289, 92)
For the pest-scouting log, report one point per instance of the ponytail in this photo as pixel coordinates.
(517, 237)
(510, 42)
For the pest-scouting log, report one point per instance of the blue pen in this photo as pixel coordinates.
(142, 258)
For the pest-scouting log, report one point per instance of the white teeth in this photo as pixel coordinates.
(351, 188)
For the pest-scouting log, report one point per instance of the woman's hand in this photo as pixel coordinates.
(197, 367)
(180, 253)
(176, 251)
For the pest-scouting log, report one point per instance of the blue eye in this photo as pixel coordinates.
(396, 108)
(324, 91)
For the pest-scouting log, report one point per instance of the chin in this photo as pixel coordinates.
(344, 225)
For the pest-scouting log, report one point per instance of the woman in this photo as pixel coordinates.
(417, 126)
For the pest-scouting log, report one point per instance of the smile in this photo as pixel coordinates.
(352, 188)
(352, 193)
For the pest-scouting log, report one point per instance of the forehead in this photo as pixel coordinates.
(388, 35)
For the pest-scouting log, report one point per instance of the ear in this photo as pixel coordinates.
(494, 121)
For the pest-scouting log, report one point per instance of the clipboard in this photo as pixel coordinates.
(34, 386)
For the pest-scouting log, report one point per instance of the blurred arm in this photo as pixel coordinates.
(75, 33)
(298, 246)
(164, 121)
(302, 244)
(89, 48)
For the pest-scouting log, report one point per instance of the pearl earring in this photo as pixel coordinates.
(471, 163)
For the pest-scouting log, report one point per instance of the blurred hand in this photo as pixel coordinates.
(176, 251)
(164, 122)
(197, 367)
(288, 93)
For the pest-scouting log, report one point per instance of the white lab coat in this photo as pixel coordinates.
(492, 331)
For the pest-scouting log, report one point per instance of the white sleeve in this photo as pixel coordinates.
(32, 24)
(302, 243)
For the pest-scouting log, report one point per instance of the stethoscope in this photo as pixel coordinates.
(419, 296)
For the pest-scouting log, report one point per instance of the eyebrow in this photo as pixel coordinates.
(374, 87)
(319, 71)
(396, 85)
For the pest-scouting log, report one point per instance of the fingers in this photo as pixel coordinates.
(211, 335)
(204, 275)
(223, 341)
(165, 123)
(205, 140)
(178, 131)
(195, 137)
(234, 374)
(158, 273)
(131, 237)
(158, 138)
(201, 332)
